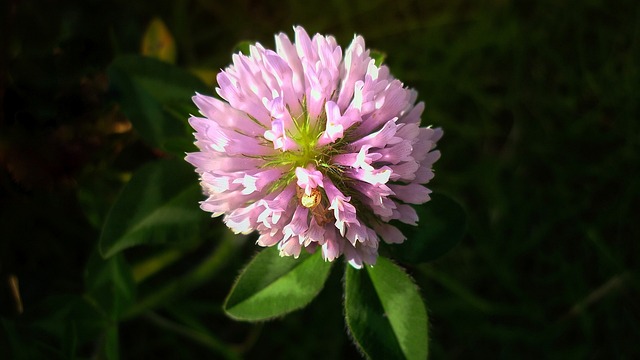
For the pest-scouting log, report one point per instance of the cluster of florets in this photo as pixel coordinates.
(313, 149)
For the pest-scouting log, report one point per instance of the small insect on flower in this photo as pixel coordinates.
(315, 204)
(309, 201)
(313, 148)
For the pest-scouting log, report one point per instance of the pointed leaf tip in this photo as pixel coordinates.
(159, 204)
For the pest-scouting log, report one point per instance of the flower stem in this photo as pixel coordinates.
(205, 339)
(155, 264)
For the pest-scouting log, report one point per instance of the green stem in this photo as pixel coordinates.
(207, 340)
(148, 267)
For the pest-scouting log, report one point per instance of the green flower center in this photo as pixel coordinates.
(306, 134)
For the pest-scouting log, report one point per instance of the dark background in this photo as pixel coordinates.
(539, 104)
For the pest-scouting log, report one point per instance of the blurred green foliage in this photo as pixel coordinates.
(539, 103)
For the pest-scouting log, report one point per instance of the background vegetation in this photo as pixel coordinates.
(539, 103)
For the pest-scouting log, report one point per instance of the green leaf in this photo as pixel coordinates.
(96, 193)
(378, 57)
(55, 312)
(384, 312)
(58, 325)
(206, 75)
(441, 226)
(149, 90)
(243, 47)
(110, 284)
(159, 204)
(157, 42)
(272, 286)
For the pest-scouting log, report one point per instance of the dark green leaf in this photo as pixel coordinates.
(272, 286)
(110, 284)
(243, 47)
(96, 194)
(441, 226)
(56, 312)
(159, 204)
(384, 312)
(378, 56)
(56, 327)
(149, 91)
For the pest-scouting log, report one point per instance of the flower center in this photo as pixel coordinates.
(305, 133)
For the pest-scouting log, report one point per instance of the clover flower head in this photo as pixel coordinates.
(314, 149)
